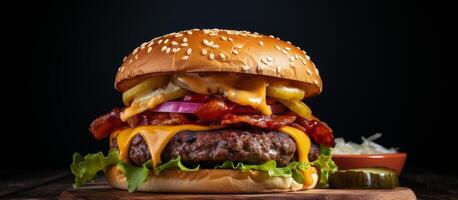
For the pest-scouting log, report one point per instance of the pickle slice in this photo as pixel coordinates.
(149, 84)
(297, 107)
(364, 178)
(285, 92)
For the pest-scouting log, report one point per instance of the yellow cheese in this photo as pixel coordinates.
(156, 137)
(303, 148)
(243, 91)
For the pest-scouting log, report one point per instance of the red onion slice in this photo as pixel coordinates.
(177, 107)
(190, 107)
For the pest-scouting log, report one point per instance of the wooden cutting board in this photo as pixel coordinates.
(103, 191)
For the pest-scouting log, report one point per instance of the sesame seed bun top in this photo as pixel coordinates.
(216, 50)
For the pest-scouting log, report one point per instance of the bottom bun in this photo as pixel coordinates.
(211, 181)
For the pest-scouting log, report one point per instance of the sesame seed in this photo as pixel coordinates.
(136, 56)
(130, 61)
(206, 31)
(204, 52)
(235, 52)
(124, 59)
(222, 56)
(270, 59)
(184, 44)
(288, 49)
(296, 56)
(277, 47)
(184, 57)
(223, 38)
(292, 58)
(213, 34)
(277, 69)
(135, 51)
(150, 43)
(185, 40)
(188, 52)
(307, 56)
(207, 43)
(239, 46)
(284, 52)
(211, 56)
(174, 50)
(164, 48)
(261, 43)
(230, 39)
(271, 36)
(195, 29)
(299, 48)
(122, 69)
(305, 53)
(246, 67)
(166, 40)
(215, 46)
(315, 81)
(189, 32)
(159, 42)
(259, 68)
(143, 45)
(316, 71)
(277, 38)
(178, 35)
(149, 49)
(303, 61)
(288, 42)
(263, 60)
(167, 50)
(174, 43)
(309, 72)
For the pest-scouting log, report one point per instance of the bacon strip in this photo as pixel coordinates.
(214, 111)
(154, 118)
(262, 121)
(317, 130)
(104, 125)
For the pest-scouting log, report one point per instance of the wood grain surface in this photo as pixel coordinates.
(102, 191)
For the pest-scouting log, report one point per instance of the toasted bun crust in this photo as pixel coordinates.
(215, 50)
(210, 181)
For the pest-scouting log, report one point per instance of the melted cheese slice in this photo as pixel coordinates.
(303, 148)
(243, 91)
(157, 137)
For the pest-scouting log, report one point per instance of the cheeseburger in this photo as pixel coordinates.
(213, 111)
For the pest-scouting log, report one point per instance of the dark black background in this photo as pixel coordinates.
(381, 62)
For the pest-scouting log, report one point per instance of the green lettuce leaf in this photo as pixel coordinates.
(326, 165)
(174, 164)
(292, 170)
(86, 168)
(135, 175)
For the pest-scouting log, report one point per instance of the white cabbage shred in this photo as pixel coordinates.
(368, 146)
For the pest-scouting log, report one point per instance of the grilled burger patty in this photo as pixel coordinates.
(216, 146)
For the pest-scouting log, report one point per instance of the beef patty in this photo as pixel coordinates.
(216, 146)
